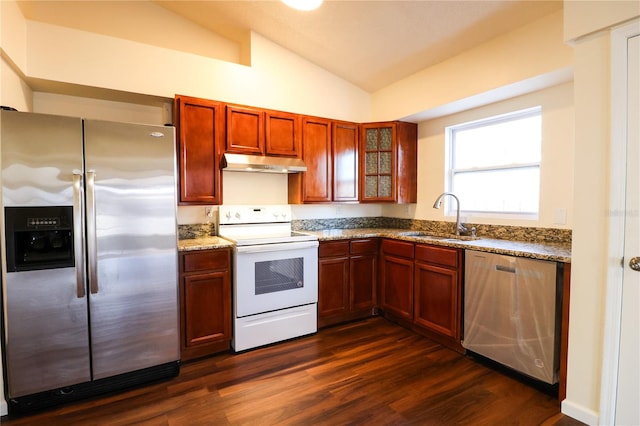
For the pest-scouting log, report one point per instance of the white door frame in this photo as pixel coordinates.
(615, 269)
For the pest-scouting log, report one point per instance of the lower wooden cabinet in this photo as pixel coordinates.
(396, 278)
(347, 277)
(438, 287)
(421, 288)
(205, 302)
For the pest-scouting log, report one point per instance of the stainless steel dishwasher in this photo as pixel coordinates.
(511, 312)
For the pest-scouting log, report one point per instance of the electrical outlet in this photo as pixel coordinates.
(339, 210)
(208, 212)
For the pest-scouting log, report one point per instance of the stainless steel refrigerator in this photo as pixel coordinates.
(89, 272)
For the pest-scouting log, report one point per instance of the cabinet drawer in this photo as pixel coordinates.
(398, 248)
(435, 254)
(205, 260)
(364, 246)
(333, 248)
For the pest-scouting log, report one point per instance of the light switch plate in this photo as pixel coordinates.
(560, 216)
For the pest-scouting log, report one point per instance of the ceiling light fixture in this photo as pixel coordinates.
(304, 5)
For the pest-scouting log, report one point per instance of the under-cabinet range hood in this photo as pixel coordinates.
(258, 163)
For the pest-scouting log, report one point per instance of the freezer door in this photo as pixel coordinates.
(47, 332)
(131, 245)
(39, 154)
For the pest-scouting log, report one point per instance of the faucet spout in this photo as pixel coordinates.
(436, 205)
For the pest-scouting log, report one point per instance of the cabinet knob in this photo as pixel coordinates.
(634, 263)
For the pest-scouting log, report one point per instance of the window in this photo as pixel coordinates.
(494, 164)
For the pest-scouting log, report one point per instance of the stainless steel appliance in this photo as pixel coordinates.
(275, 275)
(511, 312)
(90, 273)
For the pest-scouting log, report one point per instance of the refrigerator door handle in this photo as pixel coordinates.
(92, 244)
(78, 240)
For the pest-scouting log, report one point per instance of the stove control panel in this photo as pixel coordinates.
(242, 214)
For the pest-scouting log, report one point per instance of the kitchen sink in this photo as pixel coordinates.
(436, 236)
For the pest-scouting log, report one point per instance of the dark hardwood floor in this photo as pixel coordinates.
(371, 372)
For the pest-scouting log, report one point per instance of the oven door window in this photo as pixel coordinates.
(273, 276)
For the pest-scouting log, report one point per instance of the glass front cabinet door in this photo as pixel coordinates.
(389, 163)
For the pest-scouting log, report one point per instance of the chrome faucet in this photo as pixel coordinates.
(459, 227)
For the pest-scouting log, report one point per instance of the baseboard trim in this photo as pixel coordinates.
(580, 413)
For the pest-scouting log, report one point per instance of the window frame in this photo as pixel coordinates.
(450, 171)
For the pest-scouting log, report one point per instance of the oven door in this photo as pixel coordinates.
(269, 277)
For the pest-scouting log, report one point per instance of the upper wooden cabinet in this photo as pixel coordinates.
(314, 185)
(257, 131)
(200, 133)
(388, 162)
(282, 134)
(245, 130)
(345, 160)
(330, 152)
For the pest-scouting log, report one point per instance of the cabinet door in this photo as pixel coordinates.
(363, 272)
(345, 161)
(333, 286)
(436, 299)
(316, 147)
(245, 130)
(406, 164)
(388, 162)
(207, 314)
(200, 129)
(378, 163)
(397, 286)
(282, 134)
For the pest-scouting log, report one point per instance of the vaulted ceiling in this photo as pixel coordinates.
(368, 43)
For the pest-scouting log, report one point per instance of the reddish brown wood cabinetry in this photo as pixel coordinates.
(396, 278)
(330, 152)
(421, 288)
(257, 131)
(333, 280)
(347, 277)
(282, 134)
(205, 302)
(245, 130)
(200, 133)
(363, 273)
(314, 185)
(438, 289)
(388, 162)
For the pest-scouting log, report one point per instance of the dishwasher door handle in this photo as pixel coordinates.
(505, 269)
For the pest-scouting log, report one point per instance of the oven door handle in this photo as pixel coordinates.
(264, 248)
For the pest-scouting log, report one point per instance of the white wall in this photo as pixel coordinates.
(529, 59)
(556, 173)
(95, 60)
(525, 60)
(587, 17)
(587, 28)
(99, 109)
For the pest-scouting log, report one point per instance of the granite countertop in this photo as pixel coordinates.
(542, 251)
(203, 243)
